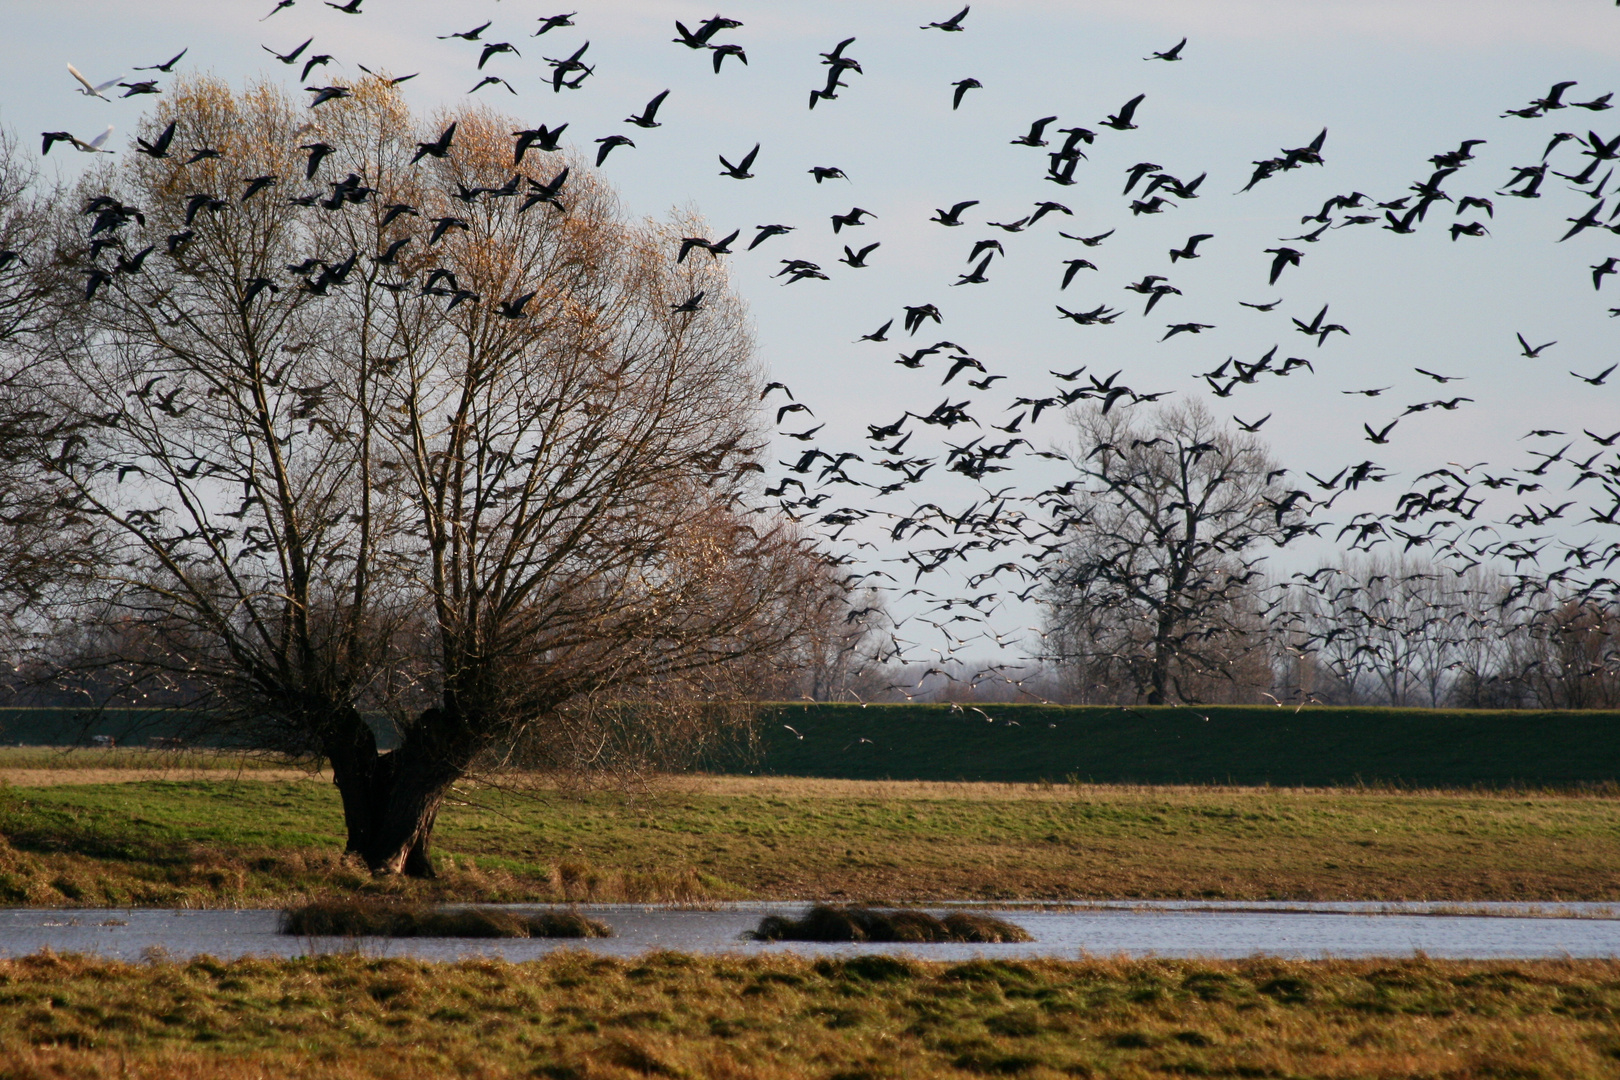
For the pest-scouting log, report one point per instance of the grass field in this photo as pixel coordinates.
(263, 842)
(867, 1018)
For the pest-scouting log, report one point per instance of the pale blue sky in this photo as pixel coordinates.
(1394, 82)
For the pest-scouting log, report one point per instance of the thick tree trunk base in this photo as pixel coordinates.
(391, 799)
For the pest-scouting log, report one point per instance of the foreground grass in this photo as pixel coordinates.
(274, 842)
(578, 1016)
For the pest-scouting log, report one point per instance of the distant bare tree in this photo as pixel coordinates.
(434, 438)
(32, 544)
(1158, 582)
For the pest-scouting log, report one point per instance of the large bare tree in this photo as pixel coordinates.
(430, 432)
(1159, 581)
(32, 542)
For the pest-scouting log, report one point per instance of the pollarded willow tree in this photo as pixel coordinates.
(1154, 590)
(368, 427)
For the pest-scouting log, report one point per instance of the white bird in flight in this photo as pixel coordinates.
(91, 147)
(89, 90)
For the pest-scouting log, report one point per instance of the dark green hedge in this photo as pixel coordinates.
(1174, 745)
(1166, 745)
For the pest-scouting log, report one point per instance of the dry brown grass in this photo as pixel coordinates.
(372, 917)
(34, 778)
(826, 923)
(786, 1018)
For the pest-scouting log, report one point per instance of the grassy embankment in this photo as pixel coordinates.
(1220, 744)
(1215, 744)
(868, 1018)
(266, 842)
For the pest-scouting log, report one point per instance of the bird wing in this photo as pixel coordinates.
(84, 81)
(95, 143)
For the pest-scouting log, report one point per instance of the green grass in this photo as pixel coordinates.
(138, 758)
(1315, 746)
(579, 1017)
(269, 843)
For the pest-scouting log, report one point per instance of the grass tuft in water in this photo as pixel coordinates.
(375, 918)
(825, 923)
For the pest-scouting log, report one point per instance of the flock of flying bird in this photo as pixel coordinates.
(1027, 532)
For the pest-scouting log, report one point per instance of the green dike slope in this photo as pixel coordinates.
(1218, 744)
(1314, 746)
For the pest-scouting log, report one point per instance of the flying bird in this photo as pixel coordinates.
(1603, 269)
(962, 87)
(1035, 135)
(1285, 256)
(167, 66)
(954, 23)
(857, 259)
(851, 219)
(391, 81)
(1122, 121)
(723, 51)
(319, 60)
(496, 47)
(91, 147)
(1172, 53)
(92, 91)
(438, 148)
(976, 276)
(1598, 379)
(288, 58)
(1074, 266)
(467, 35)
(1089, 241)
(553, 22)
(650, 110)
(1532, 353)
(159, 147)
(953, 216)
(740, 171)
(608, 144)
(323, 94)
(1379, 437)
(1189, 249)
(491, 80)
(444, 225)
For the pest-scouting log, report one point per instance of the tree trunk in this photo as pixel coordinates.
(1162, 652)
(391, 799)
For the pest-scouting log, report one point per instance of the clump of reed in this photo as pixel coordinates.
(825, 923)
(384, 918)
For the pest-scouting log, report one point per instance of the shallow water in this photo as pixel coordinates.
(1295, 930)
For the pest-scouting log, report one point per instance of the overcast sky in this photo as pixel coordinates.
(1393, 82)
